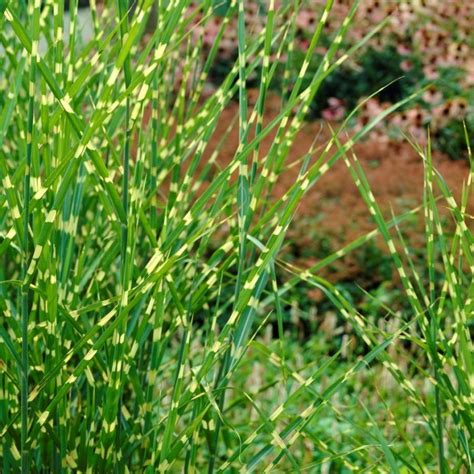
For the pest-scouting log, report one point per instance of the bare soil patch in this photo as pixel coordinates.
(333, 209)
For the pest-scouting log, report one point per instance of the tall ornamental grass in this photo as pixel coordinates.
(138, 273)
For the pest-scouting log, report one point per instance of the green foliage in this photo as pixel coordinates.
(383, 68)
(221, 7)
(451, 138)
(129, 340)
(373, 70)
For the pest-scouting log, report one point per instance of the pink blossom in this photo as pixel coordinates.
(432, 96)
(305, 19)
(403, 49)
(430, 72)
(406, 65)
(335, 111)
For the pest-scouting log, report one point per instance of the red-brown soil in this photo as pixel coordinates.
(333, 208)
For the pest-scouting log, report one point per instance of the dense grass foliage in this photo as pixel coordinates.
(141, 281)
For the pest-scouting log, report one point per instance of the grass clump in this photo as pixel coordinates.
(129, 341)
